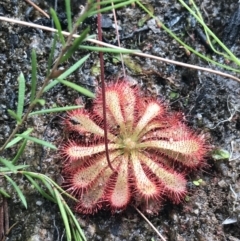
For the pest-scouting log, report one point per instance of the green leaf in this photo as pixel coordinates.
(74, 234)
(75, 221)
(4, 193)
(14, 115)
(47, 185)
(38, 141)
(40, 101)
(220, 154)
(77, 235)
(43, 178)
(35, 184)
(67, 72)
(19, 153)
(187, 198)
(50, 85)
(34, 75)
(17, 189)
(57, 25)
(174, 95)
(21, 95)
(210, 33)
(144, 19)
(75, 45)
(69, 17)
(74, 67)
(8, 164)
(60, 203)
(18, 167)
(56, 192)
(58, 109)
(197, 182)
(50, 58)
(77, 88)
(109, 50)
(17, 139)
(116, 5)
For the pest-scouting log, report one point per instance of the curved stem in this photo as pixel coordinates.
(103, 89)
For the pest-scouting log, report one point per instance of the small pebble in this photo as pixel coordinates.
(39, 203)
(222, 183)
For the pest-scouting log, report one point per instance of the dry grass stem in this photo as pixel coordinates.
(152, 226)
(37, 8)
(116, 47)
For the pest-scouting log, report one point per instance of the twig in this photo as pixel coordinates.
(56, 228)
(37, 8)
(9, 230)
(234, 193)
(231, 158)
(120, 48)
(152, 226)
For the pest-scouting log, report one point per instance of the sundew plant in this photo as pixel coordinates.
(47, 187)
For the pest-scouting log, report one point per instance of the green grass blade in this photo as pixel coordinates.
(182, 43)
(17, 189)
(74, 220)
(49, 180)
(40, 101)
(68, 218)
(50, 85)
(48, 186)
(44, 179)
(38, 141)
(19, 153)
(42, 192)
(60, 203)
(4, 193)
(109, 50)
(18, 167)
(50, 58)
(109, 8)
(68, 12)
(34, 75)
(77, 88)
(58, 109)
(74, 234)
(75, 45)
(57, 25)
(78, 236)
(14, 116)
(106, 2)
(17, 139)
(92, 36)
(74, 67)
(8, 164)
(21, 95)
(67, 72)
(227, 50)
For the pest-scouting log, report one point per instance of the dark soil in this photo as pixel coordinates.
(207, 101)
